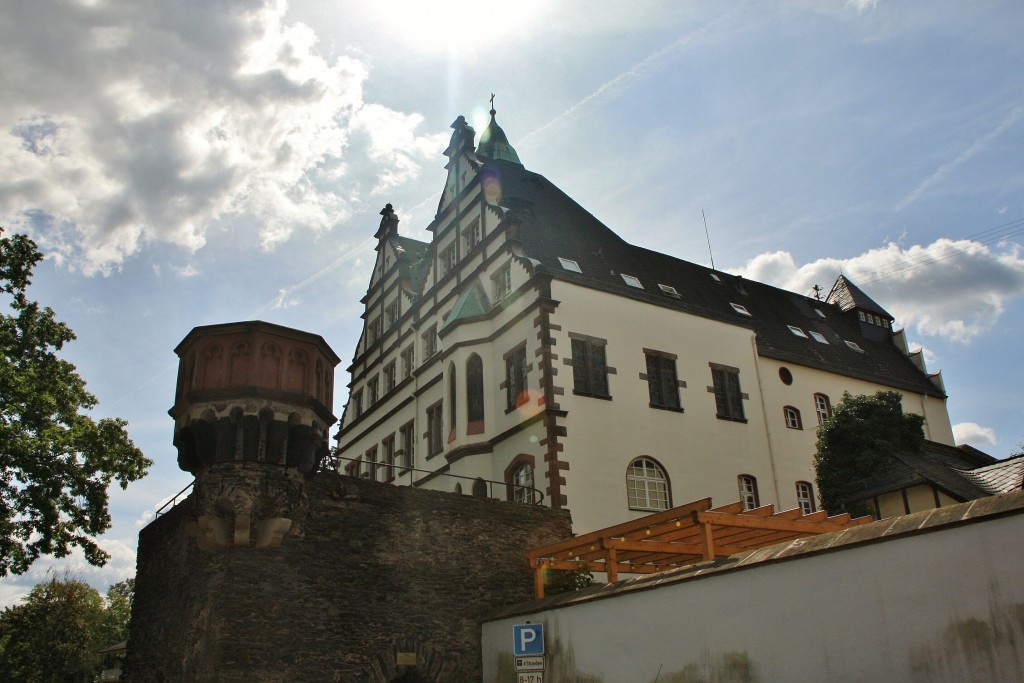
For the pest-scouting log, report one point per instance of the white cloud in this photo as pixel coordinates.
(862, 5)
(120, 566)
(974, 434)
(954, 289)
(133, 121)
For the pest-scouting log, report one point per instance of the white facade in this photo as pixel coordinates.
(502, 302)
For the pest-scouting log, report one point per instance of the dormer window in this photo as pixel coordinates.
(631, 281)
(818, 337)
(742, 310)
(670, 290)
(854, 345)
(797, 331)
(569, 264)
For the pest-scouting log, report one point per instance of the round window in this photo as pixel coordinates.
(786, 376)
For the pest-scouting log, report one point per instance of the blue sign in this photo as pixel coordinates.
(528, 639)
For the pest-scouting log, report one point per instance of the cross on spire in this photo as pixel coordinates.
(492, 104)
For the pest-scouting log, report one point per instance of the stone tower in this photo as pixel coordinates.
(251, 414)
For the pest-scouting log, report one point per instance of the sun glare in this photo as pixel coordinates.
(456, 26)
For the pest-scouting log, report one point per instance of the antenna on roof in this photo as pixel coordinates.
(817, 292)
(706, 234)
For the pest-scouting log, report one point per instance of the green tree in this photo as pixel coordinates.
(119, 610)
(54, 635)
(56, 462)
(858, 442)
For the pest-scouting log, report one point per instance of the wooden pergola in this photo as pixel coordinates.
(680, 536)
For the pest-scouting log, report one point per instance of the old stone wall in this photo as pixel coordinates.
(372, 582)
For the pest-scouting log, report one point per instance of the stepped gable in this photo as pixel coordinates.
(553, 225)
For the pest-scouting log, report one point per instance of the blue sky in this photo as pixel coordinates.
(184, 164)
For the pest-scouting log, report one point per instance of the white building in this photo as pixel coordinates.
(528, 344)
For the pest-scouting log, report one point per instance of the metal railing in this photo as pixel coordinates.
(174, 500)
(504, 490)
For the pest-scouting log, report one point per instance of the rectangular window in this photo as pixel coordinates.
(823, 407)
(371, 464)
(748, 492)
(435, 429)
(805, 497)
(589, 369)
(391, 314)
(387, 459)
(818, 337)
(429, 342)
(792, 417)
(516, 387)
(728, 395)
(372, 391)
(408, 361)
(662, 385)
(389, 377)
(631, 280)
(501, 283)
(472, 235)
(740, 308)
(448, 259)
(570, 265)
(352, 467)
(670, 290)
(373, 330)
(357, 402)
(407, 436)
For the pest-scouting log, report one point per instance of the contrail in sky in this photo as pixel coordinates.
(639, 71)
(966, 155)
(285, 292)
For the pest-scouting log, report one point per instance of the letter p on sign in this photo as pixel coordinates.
(528, 639)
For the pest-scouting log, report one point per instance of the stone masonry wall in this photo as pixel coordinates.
(372, 576)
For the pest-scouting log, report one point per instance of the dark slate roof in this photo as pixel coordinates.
(413, 259)
(1000, 477)
(553, 226)
(947, 467)
(848, 295)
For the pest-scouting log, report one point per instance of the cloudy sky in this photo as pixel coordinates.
(205, 161)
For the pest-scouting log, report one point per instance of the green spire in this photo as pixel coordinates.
(494, 144)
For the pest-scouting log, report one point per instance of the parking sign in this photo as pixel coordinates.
(528, 639)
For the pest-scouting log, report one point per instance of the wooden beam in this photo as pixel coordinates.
(771, 523)
(612, 564)
(538, 581)
(621, 529)
(709, 541)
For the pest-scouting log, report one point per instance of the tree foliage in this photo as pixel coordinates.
(57, 631)
(858, 442)
(56, 462)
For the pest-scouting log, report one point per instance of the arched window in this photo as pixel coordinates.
(480, 488)
(519, 479)
(458, 488)
(474, 395)
(522, 483)
(805, 497)
(748, 491)
(792, 418)
(647, 485)
(452, 388)
(822, 407)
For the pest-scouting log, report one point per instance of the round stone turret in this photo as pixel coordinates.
(253, 392)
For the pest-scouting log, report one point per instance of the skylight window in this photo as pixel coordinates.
(714, 276)
(797, 331)
(854, 346)
(818, 311)
(818, 337)
(569, 264)
(670, 290)
(631, 281)
(742, 310)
